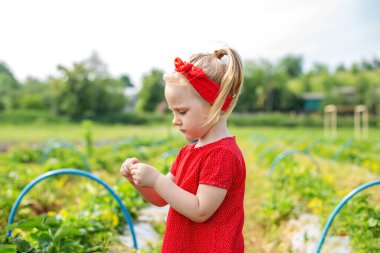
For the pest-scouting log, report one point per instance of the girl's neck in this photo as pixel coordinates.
(215, 133)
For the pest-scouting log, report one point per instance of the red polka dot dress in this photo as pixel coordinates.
(219, 164)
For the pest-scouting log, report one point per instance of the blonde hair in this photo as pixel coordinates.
(228, 74)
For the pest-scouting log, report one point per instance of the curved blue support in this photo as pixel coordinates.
(258, 138)
(339, 206)
(159, 142)
(345, 145)
(49, 142)
(169, 153)
(60, 144)
(316, 142)
(376, 146)
(311, 145)
(267, 150)
(73, 172)
(290, 152)
(128, 140)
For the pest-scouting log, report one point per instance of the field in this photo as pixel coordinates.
(287, 201)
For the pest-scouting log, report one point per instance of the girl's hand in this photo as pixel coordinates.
(125, 169)
(144, 175)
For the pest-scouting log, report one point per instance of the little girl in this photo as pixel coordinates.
(205, 185)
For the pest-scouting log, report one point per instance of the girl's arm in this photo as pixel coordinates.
(199, 207)
(149, 194)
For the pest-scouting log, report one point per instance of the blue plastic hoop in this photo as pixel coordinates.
(169, 153)
(339, 206)
(61, 144)
(290, 152)
(311, 145)
(73, 172)
(121, 143)
(266, 150)
(345, 145)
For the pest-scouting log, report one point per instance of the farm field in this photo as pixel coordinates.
(287, 203)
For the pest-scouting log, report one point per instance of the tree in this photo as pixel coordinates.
(86, 91)
(319, 68)
(265, 88)
(282, 98)
(126, 81)
(74, 96)
(5, 69)
(9, 87)
(292, 65)
(306, 82)
(362, 90)
(110, 96)
(366, 65)
(373, 98)
(341, 68)
(376, 63)
(97, 68)
(152, 91)
(247, 101)
(355, 68)
(34, 94)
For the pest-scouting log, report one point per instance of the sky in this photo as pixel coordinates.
(132, 37)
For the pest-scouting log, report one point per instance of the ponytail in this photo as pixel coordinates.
(229, 75)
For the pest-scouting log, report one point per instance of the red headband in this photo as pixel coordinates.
(206, 87)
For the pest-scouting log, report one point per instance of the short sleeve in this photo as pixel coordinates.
(173, 169)
(219, 168)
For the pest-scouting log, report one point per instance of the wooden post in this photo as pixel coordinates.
(361, 124)
(329, 120)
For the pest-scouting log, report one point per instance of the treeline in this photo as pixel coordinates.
(86, 90)
(284, 86)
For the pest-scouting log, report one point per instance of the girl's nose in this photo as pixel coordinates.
(176, 121)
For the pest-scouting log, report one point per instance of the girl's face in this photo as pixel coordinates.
(190, 111)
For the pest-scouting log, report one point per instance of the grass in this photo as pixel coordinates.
(252, 140)
(11, 133)
(38, 133)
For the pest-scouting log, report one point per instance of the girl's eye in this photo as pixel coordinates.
(182, 112)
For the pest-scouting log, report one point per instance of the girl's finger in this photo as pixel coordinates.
(133, 160)
(133, 167)
(135, 179)
(125, 164)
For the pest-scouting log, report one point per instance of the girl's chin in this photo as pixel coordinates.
(189, 138)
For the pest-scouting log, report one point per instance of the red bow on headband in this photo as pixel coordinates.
(205, 86)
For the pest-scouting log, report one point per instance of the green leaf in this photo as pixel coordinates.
(22, 245)
(66, 232)
(43, 239)
(28, 225)
(372, 222)
(94, 249)
(53, 222)
(8, 248)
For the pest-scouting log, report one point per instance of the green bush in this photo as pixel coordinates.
(30, 116)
